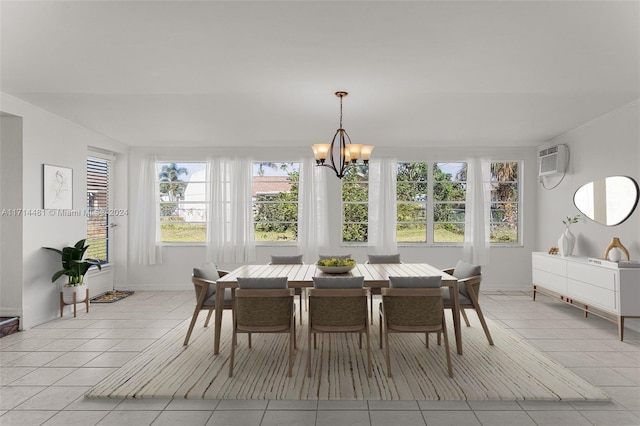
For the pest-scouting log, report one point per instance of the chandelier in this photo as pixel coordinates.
(341, 153)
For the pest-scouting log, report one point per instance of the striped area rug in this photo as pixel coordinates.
(510, 370)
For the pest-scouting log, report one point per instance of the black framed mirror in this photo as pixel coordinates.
(609, 201)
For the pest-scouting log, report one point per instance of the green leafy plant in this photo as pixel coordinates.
(73, 264)
(569, 220)
(336, 262)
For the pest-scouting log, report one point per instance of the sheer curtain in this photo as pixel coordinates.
(477, 206)
(148, 247)
(230, 223)
(313, 211)
(382, 206)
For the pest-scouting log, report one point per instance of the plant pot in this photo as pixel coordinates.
(79, 290)
(566, 242)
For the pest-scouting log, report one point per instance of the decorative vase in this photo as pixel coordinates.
(566, 242)
(69, 290)
(616, 245)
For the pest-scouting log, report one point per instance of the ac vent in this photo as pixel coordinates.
(552, 160)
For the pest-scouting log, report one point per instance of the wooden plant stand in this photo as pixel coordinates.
(63, 304)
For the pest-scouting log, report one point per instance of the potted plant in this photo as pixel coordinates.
(75, 268)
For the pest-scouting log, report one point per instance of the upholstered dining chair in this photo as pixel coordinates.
(413, 305)
(264, 305)
(292, 260)
(204, 282)
(469, 278)
(380, 258)
(338, 305)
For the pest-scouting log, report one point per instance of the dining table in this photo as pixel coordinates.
(301, 276)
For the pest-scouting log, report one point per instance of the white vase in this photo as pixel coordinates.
(79, 290)
(615, 254)
(566, 242)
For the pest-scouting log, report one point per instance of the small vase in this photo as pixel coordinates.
(566, 242)
(616, 246)
(79, 290)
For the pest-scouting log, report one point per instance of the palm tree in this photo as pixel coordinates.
(171, 184)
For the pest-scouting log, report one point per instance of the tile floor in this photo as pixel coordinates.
(46, 370)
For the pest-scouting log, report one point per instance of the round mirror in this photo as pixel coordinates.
(609, 201)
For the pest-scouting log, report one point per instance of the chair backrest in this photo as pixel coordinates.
(209, 272)
(412, 307)
(338, 308)
(464, 270)
(335, 256)
(338, 282)
(415, 282)
(384, 258)
(264, 308)
(263, 283)
(286, 260)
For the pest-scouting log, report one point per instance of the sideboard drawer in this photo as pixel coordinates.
(550, 264)
(594, 275)
(593, 295)
(552, 282)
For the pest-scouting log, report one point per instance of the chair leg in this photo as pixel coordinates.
(380, 328)
(369, 368)
(249, 338)
(446, 345)
(194, 318)
(233, 351)
(387, 354)
(426, 340)
(439, 338)
(484, 324)
(206, 323)
(315, 343)
(301, 307)
(309, 351)
(371, 308)
(464, 316)
(360, 340)
(292, 339)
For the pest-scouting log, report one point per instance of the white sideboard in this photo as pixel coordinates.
(596, 286)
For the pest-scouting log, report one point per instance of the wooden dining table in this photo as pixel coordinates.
(301, 275)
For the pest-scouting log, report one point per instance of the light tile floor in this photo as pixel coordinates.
(45, 371)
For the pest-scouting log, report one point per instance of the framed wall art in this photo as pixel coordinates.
(57, 185)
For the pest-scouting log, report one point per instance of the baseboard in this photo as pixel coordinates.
(155, 287)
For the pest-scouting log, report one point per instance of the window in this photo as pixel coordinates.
(505, 200)
(183, 201)
(98, 180)
(275, 201)
(449, 195)
(411, 195)
(355, 203)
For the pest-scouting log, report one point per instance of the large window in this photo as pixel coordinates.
(275, 201)
(505, 201)
(98, 208)
(449, 196)
(183, 201)
(411, 190)
(355, 204)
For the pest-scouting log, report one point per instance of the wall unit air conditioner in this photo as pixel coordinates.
(552, 160)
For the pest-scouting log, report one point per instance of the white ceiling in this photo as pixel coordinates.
(240, 73)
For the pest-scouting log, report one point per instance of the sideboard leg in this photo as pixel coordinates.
(86, 300)
(61, 305)
(621, 327)
(534, 293)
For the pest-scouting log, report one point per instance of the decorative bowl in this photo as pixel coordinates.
(335, 269)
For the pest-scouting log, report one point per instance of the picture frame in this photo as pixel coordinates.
(57, 187)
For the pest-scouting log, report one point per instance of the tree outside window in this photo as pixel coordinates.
(411, 196)
(183, 201)
(355, 204)
(449, 196)
(505, 202)
(275, 189)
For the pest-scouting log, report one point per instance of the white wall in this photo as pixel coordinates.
(48, 139)
(607, 146)
(510, 268)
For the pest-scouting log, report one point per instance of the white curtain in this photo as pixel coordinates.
(382, 206)
(230, 223)
(477, 206)
(313, 211)
(146, 229)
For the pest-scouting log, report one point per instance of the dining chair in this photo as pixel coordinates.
(380, 258)
(263, 305)
(292, 260)
(338, 305)
(469, 278)
(204, 283)
(413, 305)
